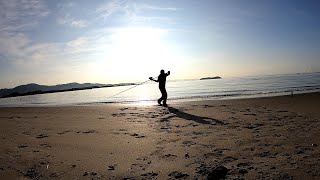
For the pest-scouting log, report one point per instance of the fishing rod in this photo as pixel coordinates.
(151, 78)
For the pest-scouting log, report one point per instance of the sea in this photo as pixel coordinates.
(180, 90)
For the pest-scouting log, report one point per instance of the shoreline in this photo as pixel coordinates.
(254, 138)
(173, 101)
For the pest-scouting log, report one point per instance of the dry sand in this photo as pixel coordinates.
(262, 138)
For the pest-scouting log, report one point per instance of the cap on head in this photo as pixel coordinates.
(162, 71)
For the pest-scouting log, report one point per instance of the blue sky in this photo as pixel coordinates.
(54, 42)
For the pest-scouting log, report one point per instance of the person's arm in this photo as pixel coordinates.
(151, 78)
(168, 73)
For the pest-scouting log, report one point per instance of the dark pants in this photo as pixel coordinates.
(164, 96)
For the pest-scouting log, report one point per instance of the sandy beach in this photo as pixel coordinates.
(259, 138)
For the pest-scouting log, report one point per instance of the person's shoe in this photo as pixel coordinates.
(165, 105)
(159, 102)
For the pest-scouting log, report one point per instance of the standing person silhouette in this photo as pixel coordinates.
(162, 86)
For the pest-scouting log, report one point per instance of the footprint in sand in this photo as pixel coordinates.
(87, 132)
(207, 106)
(178, 175)
(119, 114)
(229, 159)
(250, 114)
(165, 127)
(282, 111)
(188, 143)
(138, 167)
(169, 157)
(123, 109)
(26, 133)
(150, 175)
(40, 136)
(218, 152)
(12, 117)
(22, 146)
(137, 135)
(302, 149)
(63, 132)
(45, 145)
(243, 165)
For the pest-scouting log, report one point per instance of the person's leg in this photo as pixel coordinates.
(165, 96)
(161, 98)
(159, 101)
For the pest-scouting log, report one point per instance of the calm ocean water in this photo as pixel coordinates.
(226, 88)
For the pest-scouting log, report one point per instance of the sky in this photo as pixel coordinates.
(114, 41)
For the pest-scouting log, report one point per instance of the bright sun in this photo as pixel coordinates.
(137, 52)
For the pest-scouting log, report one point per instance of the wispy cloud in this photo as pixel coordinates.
(24, 50)
(65, 5)
(67, 19)
(146, 19)
(21, 51)
(20, 14)
(132, 11)
(78, 23)
(112, 7)
(71, 22)
(11, 44)
(156, 8)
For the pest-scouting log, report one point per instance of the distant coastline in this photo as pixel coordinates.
(34, 89)
(190, 90)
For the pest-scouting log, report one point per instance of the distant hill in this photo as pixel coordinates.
(31, 89)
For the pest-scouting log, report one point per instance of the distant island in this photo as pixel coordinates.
(32, 89)
(216, 77)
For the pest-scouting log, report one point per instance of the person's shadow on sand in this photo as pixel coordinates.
(190, 117)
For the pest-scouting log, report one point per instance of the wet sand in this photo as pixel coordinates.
(261, 138)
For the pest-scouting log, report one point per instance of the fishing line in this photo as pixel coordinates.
(129, 88)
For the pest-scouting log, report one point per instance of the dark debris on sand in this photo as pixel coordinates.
(178, 175)
(145, 176)
(150, 175)
(32, 173)
(212, 173)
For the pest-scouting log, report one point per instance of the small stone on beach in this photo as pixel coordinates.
(110, 168)
(93, 173)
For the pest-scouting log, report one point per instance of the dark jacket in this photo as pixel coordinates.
(162, 80)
